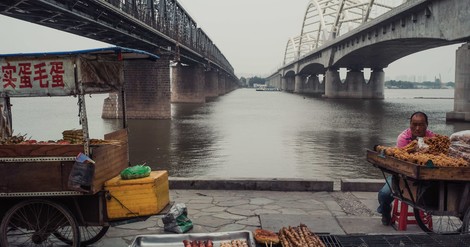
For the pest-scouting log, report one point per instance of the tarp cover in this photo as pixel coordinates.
(100, 75)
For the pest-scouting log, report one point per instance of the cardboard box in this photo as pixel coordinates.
(137, 197)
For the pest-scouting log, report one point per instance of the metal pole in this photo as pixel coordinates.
(84, 121)
(123, 104)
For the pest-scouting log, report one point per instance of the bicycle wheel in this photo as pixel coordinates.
(466, 222)
(440, 224)
(88, 235)
(33, 222)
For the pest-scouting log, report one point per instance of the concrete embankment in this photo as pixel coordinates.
(224, 205)
(275, 184)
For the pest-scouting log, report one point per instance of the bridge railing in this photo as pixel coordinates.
(170, 18)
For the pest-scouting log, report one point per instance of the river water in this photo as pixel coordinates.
(253, 134)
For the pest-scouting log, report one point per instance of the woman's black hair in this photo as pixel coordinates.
(420, 113)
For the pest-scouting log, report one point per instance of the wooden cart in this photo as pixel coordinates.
(37, 206)
(437, 194)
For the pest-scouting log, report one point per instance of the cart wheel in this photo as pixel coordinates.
(33, 222)
(440, 224)
(466, 222)
(88, 235)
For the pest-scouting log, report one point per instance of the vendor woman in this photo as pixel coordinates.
(418, 128)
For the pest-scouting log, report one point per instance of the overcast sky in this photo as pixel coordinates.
(251, 34)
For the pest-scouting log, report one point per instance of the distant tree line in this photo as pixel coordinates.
(248, 82)
(424, 84)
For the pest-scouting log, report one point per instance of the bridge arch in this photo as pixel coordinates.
(312, 69)
(381, 54)
(325, 20)
(288, 80)
(289, 73)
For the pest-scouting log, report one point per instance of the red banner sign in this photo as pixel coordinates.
(39, 77)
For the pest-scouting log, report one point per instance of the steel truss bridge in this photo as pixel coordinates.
(161, 27)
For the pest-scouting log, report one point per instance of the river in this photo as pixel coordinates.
(253, 134)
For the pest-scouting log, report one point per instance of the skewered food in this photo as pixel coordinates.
(234, 243)
(263, 236)
(300, 236)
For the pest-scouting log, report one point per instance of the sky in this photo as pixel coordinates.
(252, 35)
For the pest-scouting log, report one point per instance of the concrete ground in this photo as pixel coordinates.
(237, 206)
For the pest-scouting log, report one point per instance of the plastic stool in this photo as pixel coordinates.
(400, 216)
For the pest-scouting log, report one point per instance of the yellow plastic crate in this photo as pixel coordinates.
(137, 197)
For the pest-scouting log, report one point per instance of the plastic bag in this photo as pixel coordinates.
(460, 137)
(177, 219)
(422, 146)
(82, 173)
(133, 172)
(460, 145)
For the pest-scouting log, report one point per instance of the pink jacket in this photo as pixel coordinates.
(405, 137)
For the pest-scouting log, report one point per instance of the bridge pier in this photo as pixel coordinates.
(229, 86)
(188, 84)
(461, 110)
(313, 85)
(375, 88)
(308, 84)
(283, 84)
(354, 86)
(298, 83)
(289, 84)
(222, 86)
(233, 84)
(276, 82)
(211, 86)
(147, 90)
(333, 84)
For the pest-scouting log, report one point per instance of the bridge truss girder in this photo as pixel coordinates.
(156, 26)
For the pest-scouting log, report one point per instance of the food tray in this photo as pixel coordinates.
(411, 170)
(156, 240)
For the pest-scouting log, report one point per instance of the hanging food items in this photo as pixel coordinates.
(265, 237)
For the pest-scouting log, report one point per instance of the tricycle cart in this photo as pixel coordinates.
(37, 205)
(439, 195)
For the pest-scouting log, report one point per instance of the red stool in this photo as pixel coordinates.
(400, 216)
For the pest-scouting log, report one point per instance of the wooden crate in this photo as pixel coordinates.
(110, 159)
(137, 197)
(52, 176)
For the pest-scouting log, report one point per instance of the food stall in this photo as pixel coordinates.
(432, 177)
(36, 175)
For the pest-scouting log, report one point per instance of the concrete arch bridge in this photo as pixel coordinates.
(360, 34)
